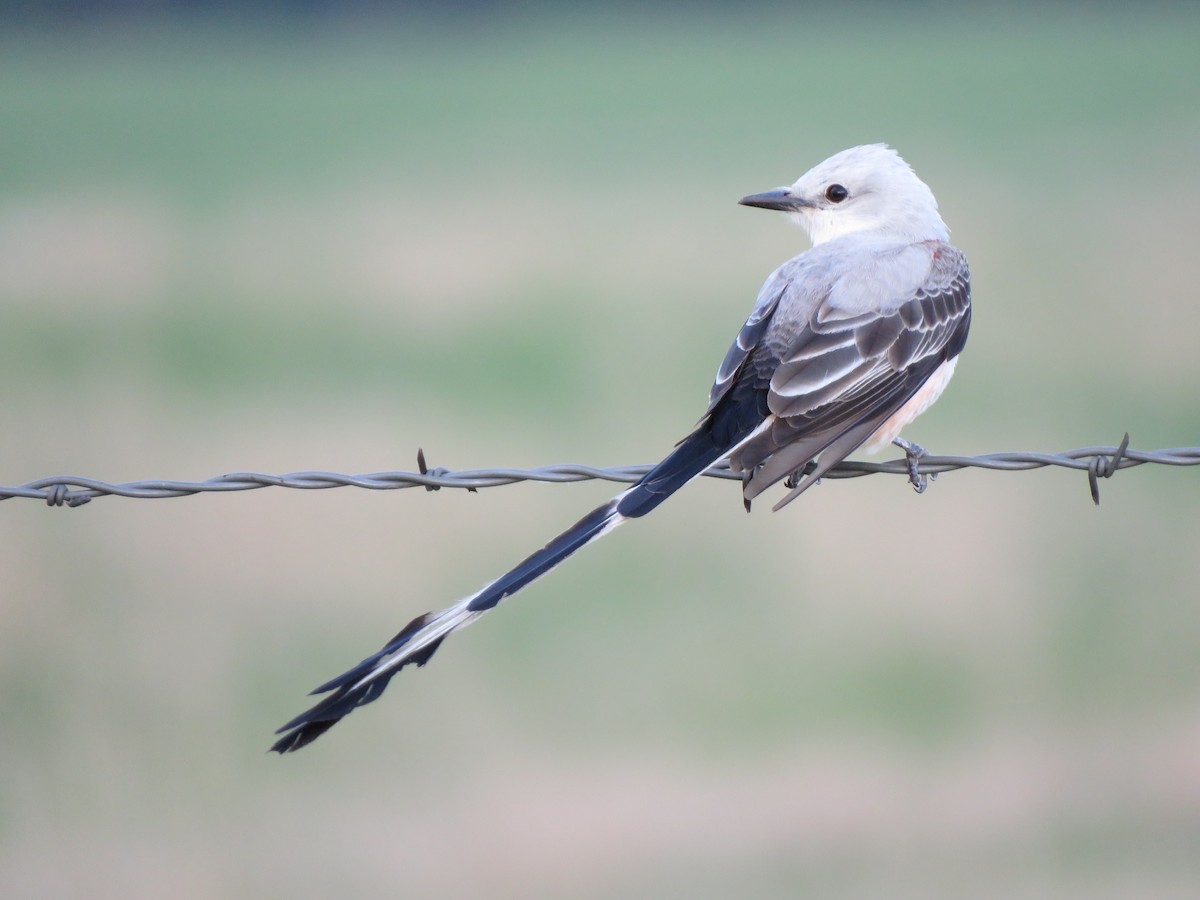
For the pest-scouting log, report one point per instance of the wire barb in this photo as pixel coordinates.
(1105, 467)
(436, 472)
(1098, 462)
(424, 470)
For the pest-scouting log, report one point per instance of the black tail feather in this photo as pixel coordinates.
(364, 667)
(312, 723)
(367, 680)
(691, 456)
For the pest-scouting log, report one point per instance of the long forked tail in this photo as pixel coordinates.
(421, 637)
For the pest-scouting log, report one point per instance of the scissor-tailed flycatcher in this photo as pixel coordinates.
(848, 343)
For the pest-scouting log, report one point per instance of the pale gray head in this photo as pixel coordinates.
(864, 189)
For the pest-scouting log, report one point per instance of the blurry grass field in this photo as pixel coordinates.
(514, 242)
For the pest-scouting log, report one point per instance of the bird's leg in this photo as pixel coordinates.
(913, 453)
(793, 480)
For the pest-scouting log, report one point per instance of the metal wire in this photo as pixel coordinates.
(1098, 462)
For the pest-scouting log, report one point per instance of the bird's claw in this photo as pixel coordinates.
(913, 453)
(793, 481)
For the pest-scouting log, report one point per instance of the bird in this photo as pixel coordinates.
(846, 344)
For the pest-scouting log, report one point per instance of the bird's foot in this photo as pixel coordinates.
(913, 453)
(793, 481)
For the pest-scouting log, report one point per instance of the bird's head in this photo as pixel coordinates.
(864, 189)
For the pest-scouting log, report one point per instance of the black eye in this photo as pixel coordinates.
(835, 193)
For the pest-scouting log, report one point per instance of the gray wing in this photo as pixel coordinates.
(749, 337)
(840, 375)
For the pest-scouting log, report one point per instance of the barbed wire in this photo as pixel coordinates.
(1098, 462)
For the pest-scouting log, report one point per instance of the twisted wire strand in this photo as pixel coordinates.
(1098, 462)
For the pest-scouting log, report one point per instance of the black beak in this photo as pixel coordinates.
(781, 199)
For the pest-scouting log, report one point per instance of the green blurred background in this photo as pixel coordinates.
(275, 242)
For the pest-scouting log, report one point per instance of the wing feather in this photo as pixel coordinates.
(748, 338)
(847, 373)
